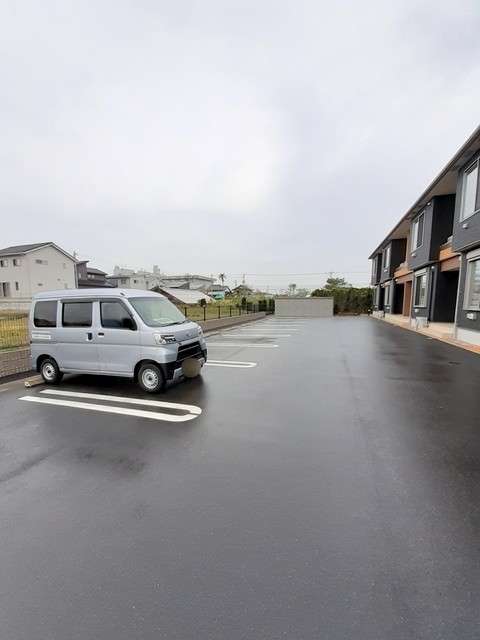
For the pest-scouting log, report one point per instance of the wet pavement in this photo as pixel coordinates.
(329, 489)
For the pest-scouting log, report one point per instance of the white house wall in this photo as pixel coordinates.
(58, 273)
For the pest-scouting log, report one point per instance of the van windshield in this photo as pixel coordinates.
(157, 312)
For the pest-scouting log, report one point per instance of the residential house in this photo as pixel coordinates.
(130, 279)
(90, 277)
(187, 281)
(219, 291)
(29, 268)
(183, 297)
(438, 277)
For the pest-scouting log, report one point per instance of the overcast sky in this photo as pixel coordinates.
(272, 138)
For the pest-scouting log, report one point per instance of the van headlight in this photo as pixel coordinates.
(164, 339)
(200, 332)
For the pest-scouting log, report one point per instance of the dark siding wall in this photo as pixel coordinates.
(397, 256)
(462, 320)
(442, 228)
(438, 228)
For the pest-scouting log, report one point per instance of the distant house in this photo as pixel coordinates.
(130, 279)
(187, 281)
(242, 290)
(90, 277)
(29, 268)
(219, 291)
(183, 297)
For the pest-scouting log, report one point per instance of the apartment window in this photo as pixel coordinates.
(374, 266)
(77, 314)
(39, 284)
(123, 281)
(64, 265)
(420, 298)
(472, 288)
(417, 231)
(386, 299)
(5, 290)
(470, 192)
(45, 314)
(3, 263)
(41, 261)
(17, 288)
(17, 262)
(386, 258)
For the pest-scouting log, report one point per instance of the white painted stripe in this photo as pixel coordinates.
(263, 328)
(124, 400)
(230, 363)
(239, 344)
(106, 409)
(231, 334)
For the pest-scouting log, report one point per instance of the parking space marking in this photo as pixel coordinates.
(239, 344)
(192, 411)
(231, 363)
(258, 335)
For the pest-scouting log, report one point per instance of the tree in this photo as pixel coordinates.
(292, 289)
(335, 283)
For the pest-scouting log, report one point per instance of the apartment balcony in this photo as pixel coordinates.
(449, 260)
(402, 273)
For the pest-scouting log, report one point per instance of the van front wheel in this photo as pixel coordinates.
(150, 378)
(50, 372)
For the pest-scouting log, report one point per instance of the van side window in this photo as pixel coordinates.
(77, 314)
(45, 314)
(113, 315)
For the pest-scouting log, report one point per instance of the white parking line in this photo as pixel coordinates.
(258, 335)
(124, 400)
(239, 344)
(230, 363)
(192, 411)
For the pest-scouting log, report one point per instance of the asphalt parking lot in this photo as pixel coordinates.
(319, 480)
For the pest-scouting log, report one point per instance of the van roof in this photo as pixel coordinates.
(100, 292)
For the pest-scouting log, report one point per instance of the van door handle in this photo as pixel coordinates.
(101, 334)
(89, 336)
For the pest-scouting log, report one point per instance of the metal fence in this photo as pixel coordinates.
(198, 313)
(13, 331)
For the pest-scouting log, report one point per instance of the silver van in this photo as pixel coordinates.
(117, 332)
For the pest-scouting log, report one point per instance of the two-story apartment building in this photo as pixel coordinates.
(29, 268)
(428, 267)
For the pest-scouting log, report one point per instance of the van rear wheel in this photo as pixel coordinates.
(50, 372)
(150, 378)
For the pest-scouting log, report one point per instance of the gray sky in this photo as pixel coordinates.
(277, 139)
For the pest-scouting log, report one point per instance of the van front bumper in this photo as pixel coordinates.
(173, 370)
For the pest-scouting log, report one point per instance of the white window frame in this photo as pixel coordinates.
(387, 295)
(4, 262)
(470, 169)
(473, 263)
(386, 257)
(422, 303)
(417, 242)
(374, 267)
(17, 262)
